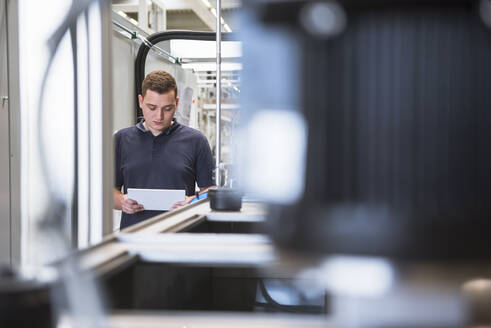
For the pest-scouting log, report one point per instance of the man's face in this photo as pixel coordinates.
(158, 110)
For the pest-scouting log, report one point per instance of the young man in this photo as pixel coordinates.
(158, 153)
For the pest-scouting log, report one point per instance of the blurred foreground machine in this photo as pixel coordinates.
(396, 96)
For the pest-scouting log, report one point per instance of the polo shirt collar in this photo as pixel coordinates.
(166, 132)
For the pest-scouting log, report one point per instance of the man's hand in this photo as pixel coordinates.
(125, 204)
(130, 206)
(190, 198)
(178, 204)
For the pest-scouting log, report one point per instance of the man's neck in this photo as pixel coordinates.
(155, 132)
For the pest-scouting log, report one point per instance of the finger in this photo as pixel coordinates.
(178, 204)
(132, 208)
(130, 201)
(128, 210)
(136, 207)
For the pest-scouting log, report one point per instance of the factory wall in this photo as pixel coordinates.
(123, 58)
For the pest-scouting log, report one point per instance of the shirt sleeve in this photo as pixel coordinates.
(118, 174)
(204, 164)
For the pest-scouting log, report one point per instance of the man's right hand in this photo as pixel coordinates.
(125, 204)
(130, 206)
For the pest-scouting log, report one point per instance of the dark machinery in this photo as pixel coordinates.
(397, 99)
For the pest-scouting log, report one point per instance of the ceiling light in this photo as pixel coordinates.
(214, 12)
(122, 13)
(206, 3)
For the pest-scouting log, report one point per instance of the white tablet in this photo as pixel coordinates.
(156, 199)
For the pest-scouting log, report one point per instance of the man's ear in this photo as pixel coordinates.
(140, 101)
(177, 101)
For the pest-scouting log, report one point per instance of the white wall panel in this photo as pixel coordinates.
(123, 59)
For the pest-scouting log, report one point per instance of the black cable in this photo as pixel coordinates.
(165, 36)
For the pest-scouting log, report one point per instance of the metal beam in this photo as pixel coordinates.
(218, 138)
(5, 224)
(203, 12)
(143, 14)
(17, 241)
(198, 6)
(107, 120)
(176, 5)
(127, 8)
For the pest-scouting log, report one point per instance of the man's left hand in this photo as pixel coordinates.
(178, 204)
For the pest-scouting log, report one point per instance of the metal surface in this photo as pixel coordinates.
(136, 33)
(14, 127)
(127, 25)
(200, 249)
(140, 265)
(218, 116)
(168, 221)
(153, 268)
(4, 143)
(112, 247)
(170, 319)
(107, 160)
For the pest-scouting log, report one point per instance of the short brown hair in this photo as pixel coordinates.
(160, 82)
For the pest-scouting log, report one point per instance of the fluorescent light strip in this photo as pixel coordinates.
(206, 3)
(226, 27)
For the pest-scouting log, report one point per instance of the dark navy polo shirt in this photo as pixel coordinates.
(175, 159)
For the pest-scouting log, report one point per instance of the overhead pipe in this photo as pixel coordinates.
(155, 38)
